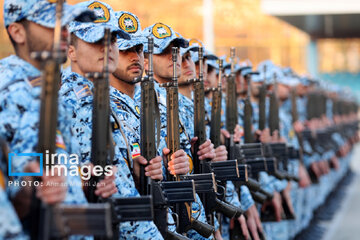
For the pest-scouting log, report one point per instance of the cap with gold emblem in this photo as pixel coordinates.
(163, 36)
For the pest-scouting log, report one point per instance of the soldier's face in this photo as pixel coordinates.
(89, 57)
(40, 38)
(163, 64)
(255, 88)
(283, 91)
(187, 68)
(211, 80)
(241, 84)
(301, 90)
(131, 64)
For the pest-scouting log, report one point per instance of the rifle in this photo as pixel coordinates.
(295, 118)
(164, 193)
(262, 104)
(210, 198)
(53, 219)
(231, 107)
(249, 138)
(183, 210)
(42, 213)
(215, 124)
(274, 109)
(102, 151)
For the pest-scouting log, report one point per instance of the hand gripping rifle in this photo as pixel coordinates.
(183, 210)
(163, 193)
(102, 150)
(201, 167)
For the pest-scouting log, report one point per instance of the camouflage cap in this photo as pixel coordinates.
(213, 63)
(129, 23)
(41, 12)
(304, 80)
(207, 54)
(163, 36)
(92, 32)
(193, 48)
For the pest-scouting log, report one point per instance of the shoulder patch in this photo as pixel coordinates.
(161, 30)
(128, 23)
(35, 81)
(135, 150)
(59, 140)
(101, 11)
(82, 91)
(118, 104)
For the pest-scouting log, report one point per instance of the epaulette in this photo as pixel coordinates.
(82, 91)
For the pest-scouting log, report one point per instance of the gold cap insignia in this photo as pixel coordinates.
(101, 11)
(160, 30)
(128, 23)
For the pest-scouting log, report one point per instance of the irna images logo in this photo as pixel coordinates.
(68, 165)
(14, 156)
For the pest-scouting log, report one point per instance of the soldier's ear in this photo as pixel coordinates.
(17, 33)
(72, 53)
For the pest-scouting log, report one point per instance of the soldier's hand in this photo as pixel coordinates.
(224, 134)
(221, 154)
(206, 150)
(238, 133)
(179, 163)
(265, 136)
(218, 235)
(257, 219)
(251, 223)
(287, 198)
(53, 188)
(106, 187)
(243, 226)
(298, 127)
(275, 137)
(154, 170)
(276, 204)
(304, 177)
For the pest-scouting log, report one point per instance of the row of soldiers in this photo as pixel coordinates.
(198, 147)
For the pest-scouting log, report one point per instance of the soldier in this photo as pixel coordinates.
(188, 71)
(164, 39)
(123, 90)
(86, 55)
(30, 28)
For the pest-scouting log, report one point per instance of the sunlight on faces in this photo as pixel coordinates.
(163, 64)
(130, 64)
(212, 78)
(241, 84)
(283, 91)
(89, 57)
(255, 88)
(187, 68)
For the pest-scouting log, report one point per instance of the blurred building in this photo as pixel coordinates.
(243, 24)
